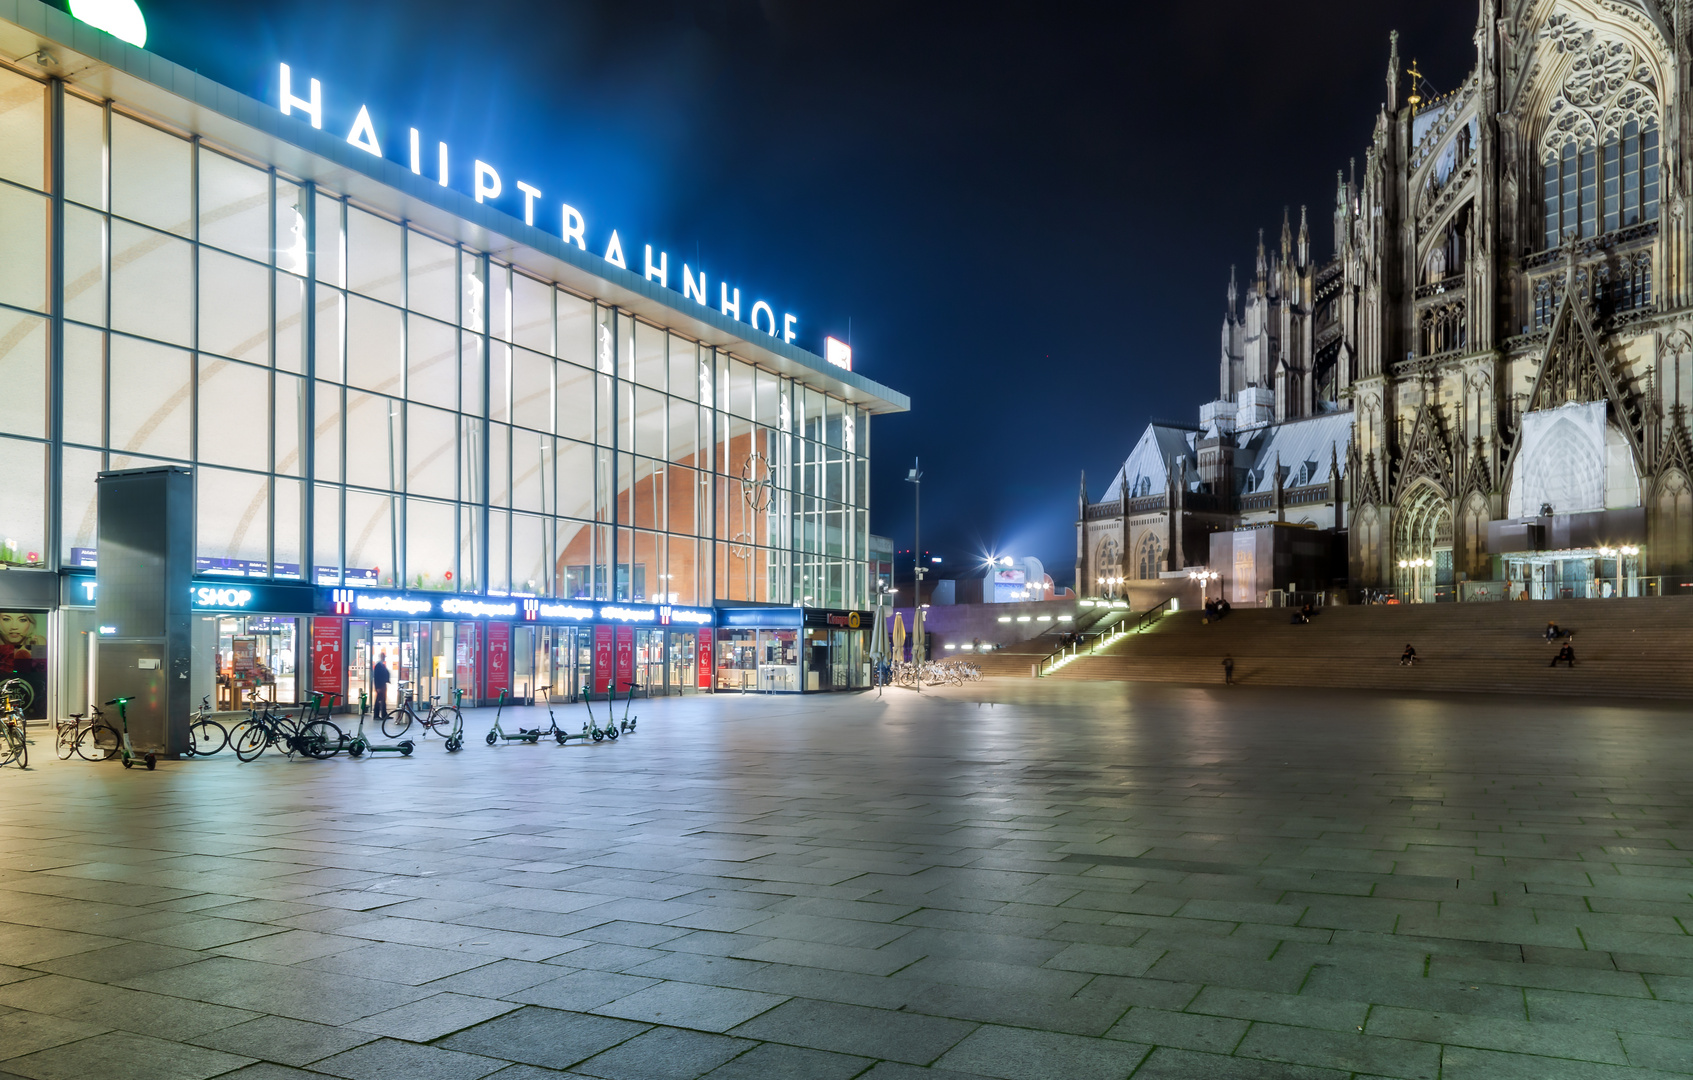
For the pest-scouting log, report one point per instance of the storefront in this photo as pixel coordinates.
(789, 649)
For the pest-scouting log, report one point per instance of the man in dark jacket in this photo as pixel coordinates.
(379, 686)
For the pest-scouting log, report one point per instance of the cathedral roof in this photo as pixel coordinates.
(1155, 457)
(1305, 447)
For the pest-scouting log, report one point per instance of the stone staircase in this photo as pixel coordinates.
(1623, 647)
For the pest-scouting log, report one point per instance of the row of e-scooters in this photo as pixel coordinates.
(320, 739)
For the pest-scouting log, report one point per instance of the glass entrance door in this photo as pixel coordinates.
(649, 662)
(683, 661)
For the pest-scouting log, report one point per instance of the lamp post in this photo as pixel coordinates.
(1416, 568)
(1628, 551)
(1204, 577)
(915, 479)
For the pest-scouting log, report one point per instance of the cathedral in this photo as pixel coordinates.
(1483, 391)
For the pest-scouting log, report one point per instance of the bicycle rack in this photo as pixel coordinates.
(358, 745)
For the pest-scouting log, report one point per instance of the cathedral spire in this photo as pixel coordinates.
(1393, 71)
(1263, 266)
(1234, 293)
(1304, 240)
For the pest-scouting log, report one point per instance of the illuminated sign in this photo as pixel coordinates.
(213, 597)
(120, 18)
(564, 611)
(108, 629)
(401, 604)
(838, 353)
(478, 608)
(668, 615)
(486, 185)
(628, 614)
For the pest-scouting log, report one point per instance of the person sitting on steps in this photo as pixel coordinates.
(1408, 657)
(1565, 655)
(1552, 632)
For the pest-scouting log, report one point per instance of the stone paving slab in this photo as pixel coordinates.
(1016, 880)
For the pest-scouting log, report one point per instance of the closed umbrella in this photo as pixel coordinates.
(899, 635)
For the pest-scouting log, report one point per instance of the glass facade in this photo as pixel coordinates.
(365, 403)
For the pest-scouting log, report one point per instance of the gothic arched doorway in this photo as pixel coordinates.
(1422, 546)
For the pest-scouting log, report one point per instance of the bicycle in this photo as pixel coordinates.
(16, 694)
(399, 721)
(205, 735)
(91, 739)
(262, 730)
(14, 746)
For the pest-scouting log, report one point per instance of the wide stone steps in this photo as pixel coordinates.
(1624, 647)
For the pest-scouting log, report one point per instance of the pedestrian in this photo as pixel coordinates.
(1228, 670)
(1552, 632)
(379, 686)
(1565, 655)
(1408, 657)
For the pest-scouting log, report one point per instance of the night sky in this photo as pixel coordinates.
(1027, 211)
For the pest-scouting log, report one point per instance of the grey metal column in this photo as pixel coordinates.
(56, 305)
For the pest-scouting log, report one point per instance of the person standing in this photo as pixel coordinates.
(1228, 670)
(379, 686)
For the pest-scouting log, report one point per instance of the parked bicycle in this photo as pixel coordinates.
(442, 720)
(266, 726)
(14, 744)
(205, 735)
(90, 736)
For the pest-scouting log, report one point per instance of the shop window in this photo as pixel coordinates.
(151, 176)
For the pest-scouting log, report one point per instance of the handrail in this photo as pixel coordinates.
(1072, 652)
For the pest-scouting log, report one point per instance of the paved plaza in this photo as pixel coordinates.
(1018, 880)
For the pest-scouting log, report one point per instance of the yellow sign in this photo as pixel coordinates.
(853, 620)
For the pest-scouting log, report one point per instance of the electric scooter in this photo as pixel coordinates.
(455, 737)
(358, 746)
(520, 735)
(125, 749)
(593, 729)
(628, 724)
(553, 729)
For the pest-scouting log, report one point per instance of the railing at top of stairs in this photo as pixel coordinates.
(1082, 647)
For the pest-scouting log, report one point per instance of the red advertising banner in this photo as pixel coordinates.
(602, 658)
(499, 660)
(704, 682)
(625, 658)
(326, 655)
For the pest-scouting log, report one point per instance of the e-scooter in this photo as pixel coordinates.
(553, 729)
(593, 729)
(496, 734)
(358, 746)
(125, 749)
(628, 723)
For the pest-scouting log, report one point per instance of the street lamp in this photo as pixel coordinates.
(1416, 568)
(1204, 577)
(915, 478)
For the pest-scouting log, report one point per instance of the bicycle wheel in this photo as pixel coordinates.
(20, 746)
(98, 742)
(64, 741)
(250, 740)
(320, 739)
(444, 721)
(207, 737)
(397, 723)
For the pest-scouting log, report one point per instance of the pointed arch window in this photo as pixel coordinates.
(1587, 189)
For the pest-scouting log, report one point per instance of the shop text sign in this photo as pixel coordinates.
(343, 601)
(305, 99)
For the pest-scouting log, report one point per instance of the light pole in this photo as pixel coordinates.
(915, 479)
(1204, 577)
(1416, 568)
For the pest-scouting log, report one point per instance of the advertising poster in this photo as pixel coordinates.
(244, 662)
(625, 659)
(704, 680)
(602, 659)
(23, 655)
(326, 656)
(499, 660)
(467, 653)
